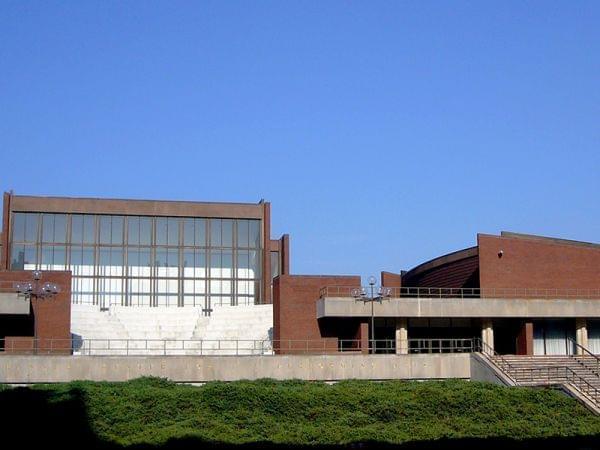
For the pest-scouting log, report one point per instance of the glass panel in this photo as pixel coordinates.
(17, 256)
(189, 233)
(76, 229)
(254, 264)
(161, 258)
(104, 257)
(87, 261)
(243, 264)
(274, 264)
(46, 258)
(116, 258)
(60, 228)
(29, 260)
(161, 231)
(254, 233)
(200, 233)
(25, 227)
(60, 258)
(227, 233)
(227, 264)
(18, 227)
(75, 259)
(105, 228)
(47, 227)
(133, 230)
(215, 264)
(215, 232)
(89, 229)
(173, 231)
(145, 230)
(242, 233)
(117, 230)
(188, 263)
(31, 227)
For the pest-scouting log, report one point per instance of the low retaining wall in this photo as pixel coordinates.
(196, 369)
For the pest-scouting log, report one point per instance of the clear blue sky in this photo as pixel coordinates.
(383, 133)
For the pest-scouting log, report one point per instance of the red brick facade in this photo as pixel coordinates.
(48, 327)
(537, 263)
(295, 325)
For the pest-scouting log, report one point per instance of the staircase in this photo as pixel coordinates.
(577, 374)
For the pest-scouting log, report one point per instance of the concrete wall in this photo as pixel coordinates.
(49, 369)
(482, 370)
(456, 307)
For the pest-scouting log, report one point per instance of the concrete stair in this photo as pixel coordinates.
(242, 329)
(580, 376)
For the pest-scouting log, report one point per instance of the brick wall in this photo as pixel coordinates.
(537, 263)
(296, 328)
(51, 317)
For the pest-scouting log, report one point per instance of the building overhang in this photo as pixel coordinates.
(11, 303)
(329, 307)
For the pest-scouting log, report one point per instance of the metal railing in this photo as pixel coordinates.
(558, 375)
(443, 292)
(450, 345)
(540, 375)
(226, 347)
(587, 359)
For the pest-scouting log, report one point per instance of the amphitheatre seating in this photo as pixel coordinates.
(122, 330)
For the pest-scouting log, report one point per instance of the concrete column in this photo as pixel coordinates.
(581, 334)
(401, 336)
(487, 335)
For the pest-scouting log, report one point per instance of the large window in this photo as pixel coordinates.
(144, 261)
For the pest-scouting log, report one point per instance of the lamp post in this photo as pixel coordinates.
(360, 294)
(36, 288)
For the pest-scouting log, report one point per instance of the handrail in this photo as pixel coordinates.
(589, 353)
(487, 350)
(570, 376)
(513, 372)
(447, 292)
(225, 347)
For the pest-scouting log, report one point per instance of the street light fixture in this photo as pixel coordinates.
(36, 289)
(360, 294)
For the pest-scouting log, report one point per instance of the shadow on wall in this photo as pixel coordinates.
(33, 418)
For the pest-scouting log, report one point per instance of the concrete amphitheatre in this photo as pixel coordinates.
(502, 337)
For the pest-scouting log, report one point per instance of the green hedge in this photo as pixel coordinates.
(153, 411)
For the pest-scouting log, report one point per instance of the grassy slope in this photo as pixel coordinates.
(293, 412)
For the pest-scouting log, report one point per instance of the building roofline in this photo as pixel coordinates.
(194, 202)
(549, 239)
(443, 259)
(137, 207)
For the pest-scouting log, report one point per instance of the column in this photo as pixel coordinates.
(581, 334)
(363, 336)
(487, 335)
(401, 336)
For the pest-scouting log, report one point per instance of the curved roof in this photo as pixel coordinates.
(442, 261)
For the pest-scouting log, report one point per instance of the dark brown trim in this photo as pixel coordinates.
(136, 207)
(266, 287)
(4, 262)
(284, 254)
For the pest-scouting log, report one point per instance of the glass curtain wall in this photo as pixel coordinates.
(551, 337)
(144, 261)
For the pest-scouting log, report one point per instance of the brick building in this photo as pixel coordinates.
(518, 294)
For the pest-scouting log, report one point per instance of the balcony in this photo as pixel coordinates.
(439, 302)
